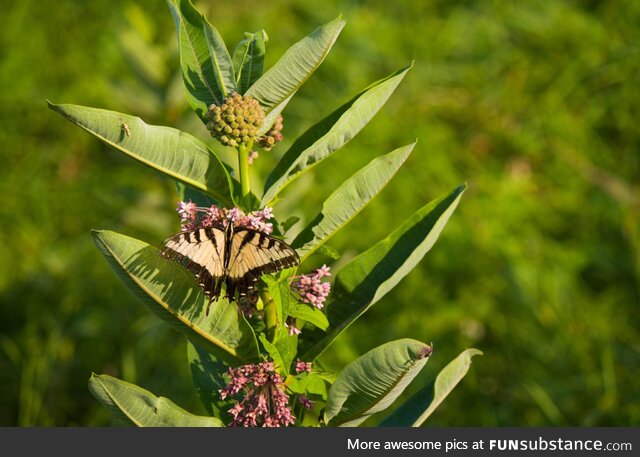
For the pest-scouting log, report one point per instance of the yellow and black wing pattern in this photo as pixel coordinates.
(235, 257)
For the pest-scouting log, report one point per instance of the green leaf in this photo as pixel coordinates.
(171, 292)
(273, 352)
(207, 69)
(288, 348)
(309, 384)
(276, 87)
(248, 59)
(373, 381)
(368, 277)
(140, 407)
(310, 314)
(330, 134)
(328, 251)
(288, 223)
(348, 200)
(207, 372)
(167, 150)
(419, 407)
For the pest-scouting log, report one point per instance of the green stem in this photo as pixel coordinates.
(243, 167)
(270, 315)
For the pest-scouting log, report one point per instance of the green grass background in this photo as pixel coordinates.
(534, 104)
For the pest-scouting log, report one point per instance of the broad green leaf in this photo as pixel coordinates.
(368, 277)
(419, 407)
(248, 59)
(373, 381)
(207, 69)
(328, 251)
(288, 348)
(282, 80)
(167, 150)
(139, 407)
(348, 200)
(273, 352)
(171, 292)
(330, 134)
(207, 372)
(309, 384)
(310, 314)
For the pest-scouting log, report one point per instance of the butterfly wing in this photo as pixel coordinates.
(202, 252)
(253, 254)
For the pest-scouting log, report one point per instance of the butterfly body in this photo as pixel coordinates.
(230, 256)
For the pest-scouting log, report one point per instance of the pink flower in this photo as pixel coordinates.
(263, 401)
(310, 287)
(304, 401)
(253, 155)
(303, 367)
(291, 325)
(216, 216)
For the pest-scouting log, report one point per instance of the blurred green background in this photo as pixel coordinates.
(534, 104)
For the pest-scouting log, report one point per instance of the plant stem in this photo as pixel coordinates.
(243, 167)
(270, 315)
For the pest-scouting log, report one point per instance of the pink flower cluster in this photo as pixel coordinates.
(303, 367)
(256, 220)
(311, 288)
(264, 402)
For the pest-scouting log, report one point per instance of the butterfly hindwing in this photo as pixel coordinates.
(202, 252)
(235, 257)
(253, 254)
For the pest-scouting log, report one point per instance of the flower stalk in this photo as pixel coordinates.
(243, 167)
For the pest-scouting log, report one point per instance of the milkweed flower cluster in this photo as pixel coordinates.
(273, 136)
(311, 288)
(264, 401)
(236, 121)
(216, 216)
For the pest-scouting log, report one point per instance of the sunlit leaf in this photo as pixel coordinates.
(207, 69)
(420, 406)
(248, 59)
(348, 200)
(368, 277)
(137, 406)
(171, 292)
(373, 381)
(330, 134)
(276, 87)
(167, 150)
(310, 314)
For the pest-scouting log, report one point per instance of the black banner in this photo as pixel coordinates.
(322, 441)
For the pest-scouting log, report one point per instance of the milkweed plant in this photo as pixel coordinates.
(254, 359)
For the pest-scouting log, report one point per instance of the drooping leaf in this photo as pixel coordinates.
(310, 314)
(170, 291)
(330, 134)
(348, 200)
(280, 82)
(272, 351)
(139, 407)
(420, 406)
(207, 372)
(248, 59)
(373, 381)
(310, 384)
(368, 277)
(207, 68)
(167, 150)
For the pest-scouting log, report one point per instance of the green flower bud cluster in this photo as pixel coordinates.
(273, 136)
(236, 121)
